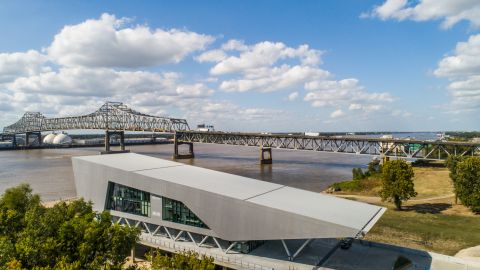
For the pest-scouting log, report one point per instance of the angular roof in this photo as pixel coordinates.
(322, 209)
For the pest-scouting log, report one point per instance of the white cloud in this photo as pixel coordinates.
(463, 70)
(101, 82)
(466, 60)
(107, 42)
(13, 65)
(234, 45)
(293, 96)
(342, 93)
(263, 55)
(337, 114)
(449, 11)
(273, 79)
(211, 56)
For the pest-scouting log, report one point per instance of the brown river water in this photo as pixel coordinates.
(49, 171)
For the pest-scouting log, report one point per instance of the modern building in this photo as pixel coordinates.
(205, 206)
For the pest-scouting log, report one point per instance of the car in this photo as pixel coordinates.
(346, 243)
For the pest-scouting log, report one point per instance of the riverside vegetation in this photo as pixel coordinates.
(433, 220)
(71, 236)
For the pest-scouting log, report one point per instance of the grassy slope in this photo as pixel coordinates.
(432, 224)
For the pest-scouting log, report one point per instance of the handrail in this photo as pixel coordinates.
(219, 258)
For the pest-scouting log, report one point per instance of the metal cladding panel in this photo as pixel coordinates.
(319, 206)
(130, 161)
(228, 185)
(235, 208)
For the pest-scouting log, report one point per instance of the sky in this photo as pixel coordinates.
(252, 66)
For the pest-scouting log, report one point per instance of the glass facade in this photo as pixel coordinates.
(247, 247)
(129, 200)
(177, 212)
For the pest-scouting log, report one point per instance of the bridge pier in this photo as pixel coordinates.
(29, 134)
(176, 153)
(265, 155)
(108, 135)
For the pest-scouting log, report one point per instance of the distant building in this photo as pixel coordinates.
(204, 127)
(169, 198)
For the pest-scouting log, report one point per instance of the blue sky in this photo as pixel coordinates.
(248, 65)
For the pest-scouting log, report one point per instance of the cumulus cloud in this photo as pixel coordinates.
(108, 42)
(293, 96)
(337, 114)
(450, 12)
(463, 70)
(273, 79)
(101, 82)
(465, 61)
(13, 65)
(345, 92)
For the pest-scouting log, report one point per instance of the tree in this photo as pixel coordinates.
(467, 182)
(451, 164)
(67, 236)
(397, 182)
(185, 260)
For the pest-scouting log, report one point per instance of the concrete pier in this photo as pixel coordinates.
(177, 154)
(28, 136)
(265, 155)
(108, 135)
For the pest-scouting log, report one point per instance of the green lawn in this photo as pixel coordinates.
(437, 232)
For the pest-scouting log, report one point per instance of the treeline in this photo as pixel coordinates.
(463, 136)
(71, 236)
(66, 236)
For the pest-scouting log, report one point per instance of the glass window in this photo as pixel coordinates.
(126, 199)
(176, 211)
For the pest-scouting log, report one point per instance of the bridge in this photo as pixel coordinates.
(385, 148)
(113, 117)
(116, 118)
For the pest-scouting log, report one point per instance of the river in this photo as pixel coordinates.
(49, 171)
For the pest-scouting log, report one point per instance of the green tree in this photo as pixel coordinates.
(467, 182)
(66, 236)
(397, 182)
(185, 260)
(451, 164)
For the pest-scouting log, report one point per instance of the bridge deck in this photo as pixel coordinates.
(401, 148)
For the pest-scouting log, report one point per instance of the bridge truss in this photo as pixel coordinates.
(400, 148)
(110, 116)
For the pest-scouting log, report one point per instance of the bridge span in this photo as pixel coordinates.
(116, 118)
(398, 148)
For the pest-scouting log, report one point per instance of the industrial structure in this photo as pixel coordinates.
(227, 212)
(116, 118)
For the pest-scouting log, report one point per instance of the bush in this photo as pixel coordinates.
(185, 260)
(467, 182)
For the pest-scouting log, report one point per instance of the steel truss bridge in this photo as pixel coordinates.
(399, 148)
(115, 117)
(110, 116)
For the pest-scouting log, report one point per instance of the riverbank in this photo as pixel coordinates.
(431, 221)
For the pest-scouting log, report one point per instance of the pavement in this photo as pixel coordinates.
(361, 255)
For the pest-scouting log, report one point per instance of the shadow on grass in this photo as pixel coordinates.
(428, 208)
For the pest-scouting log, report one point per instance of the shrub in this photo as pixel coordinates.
(397, 182)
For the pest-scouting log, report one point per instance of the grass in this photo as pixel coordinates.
(435, 231)
(429, 182)
(431, 221)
